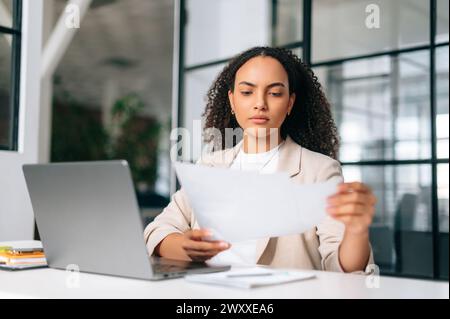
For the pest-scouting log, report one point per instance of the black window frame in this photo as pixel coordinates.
(305, 45)
(14, 102)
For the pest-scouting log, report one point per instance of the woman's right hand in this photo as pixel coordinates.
(199, 249)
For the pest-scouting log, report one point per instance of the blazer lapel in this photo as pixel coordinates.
(290, 162)
(290, 157)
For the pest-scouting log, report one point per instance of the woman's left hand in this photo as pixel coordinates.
(353, 205)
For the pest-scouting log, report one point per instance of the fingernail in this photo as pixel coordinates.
(224, 245)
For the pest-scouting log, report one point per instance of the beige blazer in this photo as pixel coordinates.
(313, 249)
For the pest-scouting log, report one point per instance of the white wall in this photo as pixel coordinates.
(16, 216)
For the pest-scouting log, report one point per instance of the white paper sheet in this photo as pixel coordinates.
(251, 277)
(238, 205)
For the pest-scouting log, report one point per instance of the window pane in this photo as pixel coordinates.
(442, 21)
(443, 198)
(5, 90)
(289, 26)
(339, 27)
(221, 29)
(381, 106)
(6, 13)
(442, 82)
(197, 84)
(401, 234)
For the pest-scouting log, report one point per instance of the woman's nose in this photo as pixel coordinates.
(260, 103)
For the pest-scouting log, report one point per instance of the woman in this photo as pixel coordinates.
(287, 126)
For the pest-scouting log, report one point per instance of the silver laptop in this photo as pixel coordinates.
(87, 216)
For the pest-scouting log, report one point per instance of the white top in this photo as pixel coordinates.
(263, 163)
(244, 252)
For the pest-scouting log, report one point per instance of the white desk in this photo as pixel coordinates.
(51, 283)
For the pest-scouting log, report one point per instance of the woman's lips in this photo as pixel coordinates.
(259, 120)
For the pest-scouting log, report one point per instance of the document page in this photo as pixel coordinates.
(239, 206)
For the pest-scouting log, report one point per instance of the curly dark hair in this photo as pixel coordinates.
(310, 123)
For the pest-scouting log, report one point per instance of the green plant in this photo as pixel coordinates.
(135, 139)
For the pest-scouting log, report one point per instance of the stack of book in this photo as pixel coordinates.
(21, 258)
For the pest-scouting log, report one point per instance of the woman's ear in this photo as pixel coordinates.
(230, 98)
(291, 102)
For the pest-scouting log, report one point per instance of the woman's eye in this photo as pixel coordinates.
(276, 94)
(246, 92)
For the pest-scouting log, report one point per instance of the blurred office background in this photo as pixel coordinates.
(137, 68)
